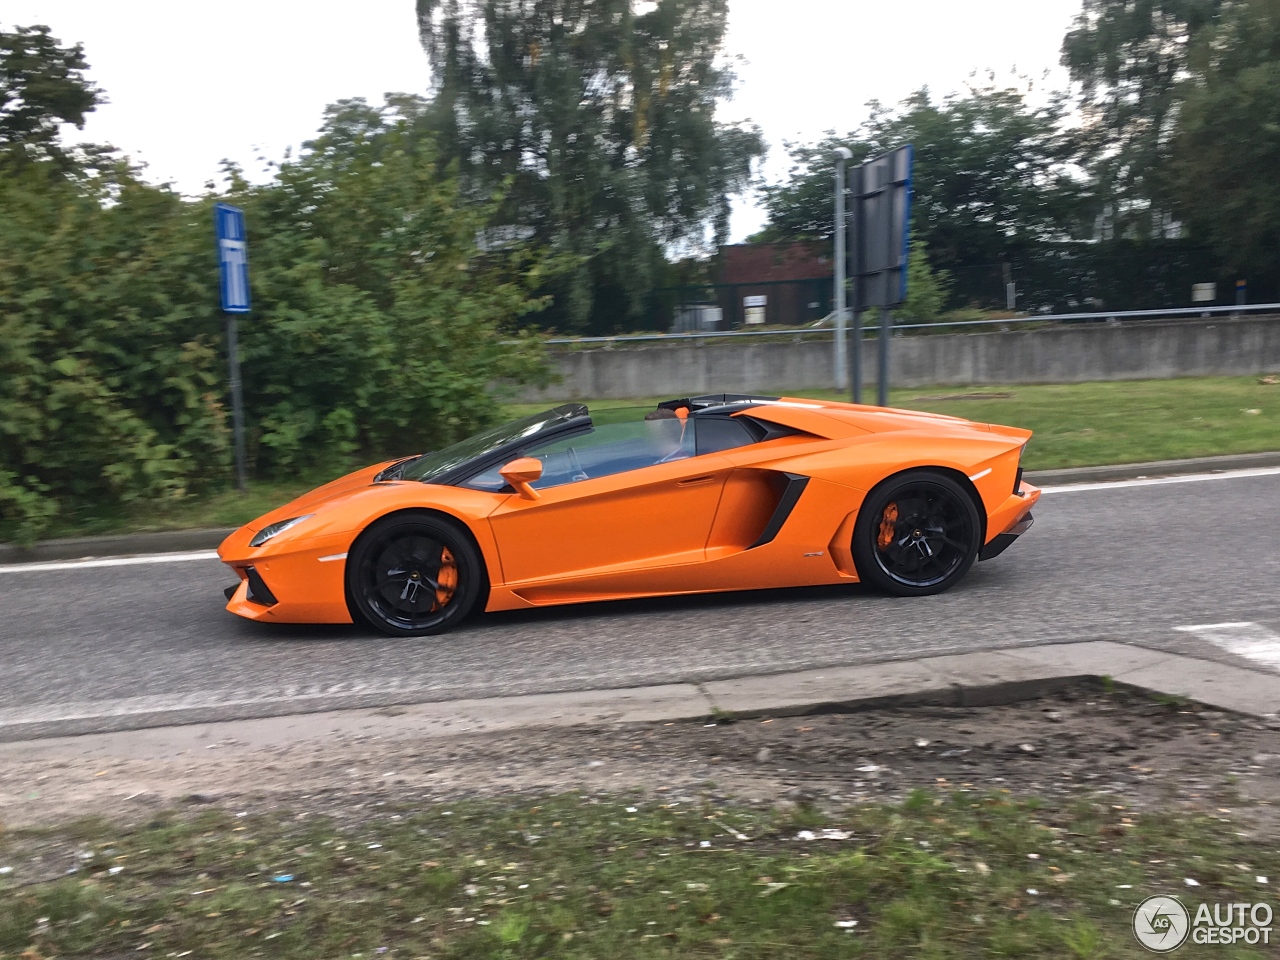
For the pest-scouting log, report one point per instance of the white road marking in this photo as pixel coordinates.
(213, 555)
(1189, 478)
(1249, 640)
(108, 562)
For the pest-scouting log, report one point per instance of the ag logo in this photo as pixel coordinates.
(1161, 924)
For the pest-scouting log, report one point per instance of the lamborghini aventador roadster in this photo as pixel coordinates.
(704, 494)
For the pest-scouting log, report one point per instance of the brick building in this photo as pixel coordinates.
(779, 284)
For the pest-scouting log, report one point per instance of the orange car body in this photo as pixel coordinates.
(689, 526)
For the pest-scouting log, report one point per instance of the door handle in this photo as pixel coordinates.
(696, 480)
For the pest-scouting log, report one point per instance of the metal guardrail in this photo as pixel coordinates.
(1113, 316)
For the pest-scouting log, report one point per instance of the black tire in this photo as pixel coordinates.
(410, 575)
(917, 534)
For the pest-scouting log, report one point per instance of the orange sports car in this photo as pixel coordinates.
(713, 493)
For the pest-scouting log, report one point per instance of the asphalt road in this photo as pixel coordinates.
(90, 648)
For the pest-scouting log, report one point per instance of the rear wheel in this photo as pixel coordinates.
(413, 575)
(917, 534)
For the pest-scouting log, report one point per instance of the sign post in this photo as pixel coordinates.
(881, 191)
(840, 262)
(233, 261)
(856, 229)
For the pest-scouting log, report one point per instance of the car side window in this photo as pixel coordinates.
(715, 434)
(602, 452)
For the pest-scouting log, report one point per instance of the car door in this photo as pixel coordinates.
(609, 501)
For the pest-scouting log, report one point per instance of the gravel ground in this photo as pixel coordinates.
(1086, 742)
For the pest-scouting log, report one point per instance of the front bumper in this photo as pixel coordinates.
(295, 581)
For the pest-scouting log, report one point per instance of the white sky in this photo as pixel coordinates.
(191, 83)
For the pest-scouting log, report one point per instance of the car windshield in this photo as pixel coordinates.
(601, 451)
(432, 465)
(620, 440)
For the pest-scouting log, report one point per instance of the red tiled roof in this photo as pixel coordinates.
(771, 262)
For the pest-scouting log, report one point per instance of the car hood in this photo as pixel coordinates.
(314, 500)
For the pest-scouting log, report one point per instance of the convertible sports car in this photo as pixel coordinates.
(704, 494)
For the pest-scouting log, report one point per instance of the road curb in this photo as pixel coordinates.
(961, 680)
(172, 541)
(1155, 468)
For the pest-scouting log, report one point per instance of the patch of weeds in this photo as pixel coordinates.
(917, 799)
(1083, 939)
(511, 926)
(804, 816)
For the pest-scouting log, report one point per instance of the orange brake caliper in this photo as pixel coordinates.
(447, 578)
(887, 525)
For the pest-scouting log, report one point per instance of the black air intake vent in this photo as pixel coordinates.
(794, 485)
(258, 592)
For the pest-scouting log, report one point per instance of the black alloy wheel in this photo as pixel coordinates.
(917, 534)
(410, 575)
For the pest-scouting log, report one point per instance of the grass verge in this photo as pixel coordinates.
(954, 875)
(225, 508)
(1076, 425)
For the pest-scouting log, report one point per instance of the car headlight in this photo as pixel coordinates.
(275, 529)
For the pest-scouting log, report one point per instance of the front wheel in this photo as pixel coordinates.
(414, 575)
(917, 534)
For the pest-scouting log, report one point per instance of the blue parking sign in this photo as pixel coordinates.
(233, 257)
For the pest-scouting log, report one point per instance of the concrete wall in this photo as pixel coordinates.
(1061, 354)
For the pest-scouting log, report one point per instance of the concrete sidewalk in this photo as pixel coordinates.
(974, 679)
(173, 541)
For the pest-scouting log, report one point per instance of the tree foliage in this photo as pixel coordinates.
(605, 123)
(990, 176)
(109, 361)
(1130, 57)
(42, 85)
(928, 290)
(378, 321)
(1227, 150)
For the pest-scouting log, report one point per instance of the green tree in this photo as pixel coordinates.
(378, 325)
(1227, 149)
(990, 178)
(42, 85)
(109, 367)
(927, 289)
(1130, 57)
(604, 122)
(801, 206)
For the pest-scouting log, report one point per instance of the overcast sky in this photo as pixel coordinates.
(191, 83)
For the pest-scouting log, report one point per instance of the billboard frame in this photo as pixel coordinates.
(881, 192)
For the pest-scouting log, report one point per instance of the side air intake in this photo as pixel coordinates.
(790, 497)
